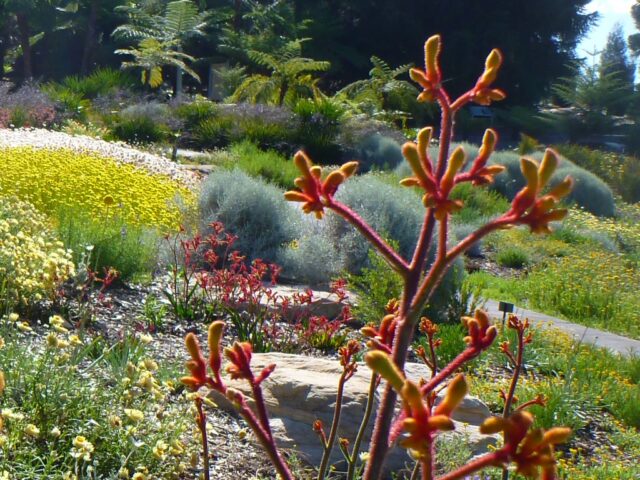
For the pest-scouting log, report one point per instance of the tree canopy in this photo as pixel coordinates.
(538, 37)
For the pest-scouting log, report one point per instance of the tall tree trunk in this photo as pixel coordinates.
(25, 35)
(178, 91)
(237, 15)
(90, 38)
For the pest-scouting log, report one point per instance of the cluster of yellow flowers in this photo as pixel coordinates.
(55, 180)
(32, 261)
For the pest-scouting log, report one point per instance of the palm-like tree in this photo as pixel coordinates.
(180, 21)
(373, 94)
(151, 55)
(290, 76)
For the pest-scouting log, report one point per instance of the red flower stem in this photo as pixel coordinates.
(446, 131)
(512, 388)
(490, 459)
(267, 443)
(467, 355)
(404, 335)
(355, 452)
(461, 101)
(442, 238)
(202, 425)
(261, 408)
(389, 254)
(516, 375)
(422, 247)
(434, 359)
(328, 446)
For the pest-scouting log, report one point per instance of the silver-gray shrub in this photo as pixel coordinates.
(251, 209)
(395, 212)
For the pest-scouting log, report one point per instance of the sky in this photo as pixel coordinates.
(611, 12)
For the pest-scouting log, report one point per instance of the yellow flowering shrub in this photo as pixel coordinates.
(60, 179)
(32, 261)
(626, 228)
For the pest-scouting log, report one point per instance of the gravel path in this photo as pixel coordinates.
(41, 138)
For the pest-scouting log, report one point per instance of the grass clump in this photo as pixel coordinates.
(513, 257)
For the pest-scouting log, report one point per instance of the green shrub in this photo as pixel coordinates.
(196, 112)
(142, 123)
(139, 130)
(513, 257)
(310, 259)
(100, 82)
(461, 231)
(251, 209)
(318, 127)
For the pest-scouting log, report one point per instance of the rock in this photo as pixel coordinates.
(322, 304)
(302, 389)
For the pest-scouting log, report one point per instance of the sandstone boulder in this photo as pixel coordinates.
(302, 389)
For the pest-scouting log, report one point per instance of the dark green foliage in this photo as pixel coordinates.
(251, 209)
(138, 130)
(538, 43)
(101, 82)
(212, 132)
(614, 59)
(318, 127)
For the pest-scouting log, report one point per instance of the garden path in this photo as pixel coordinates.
(600, 338)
